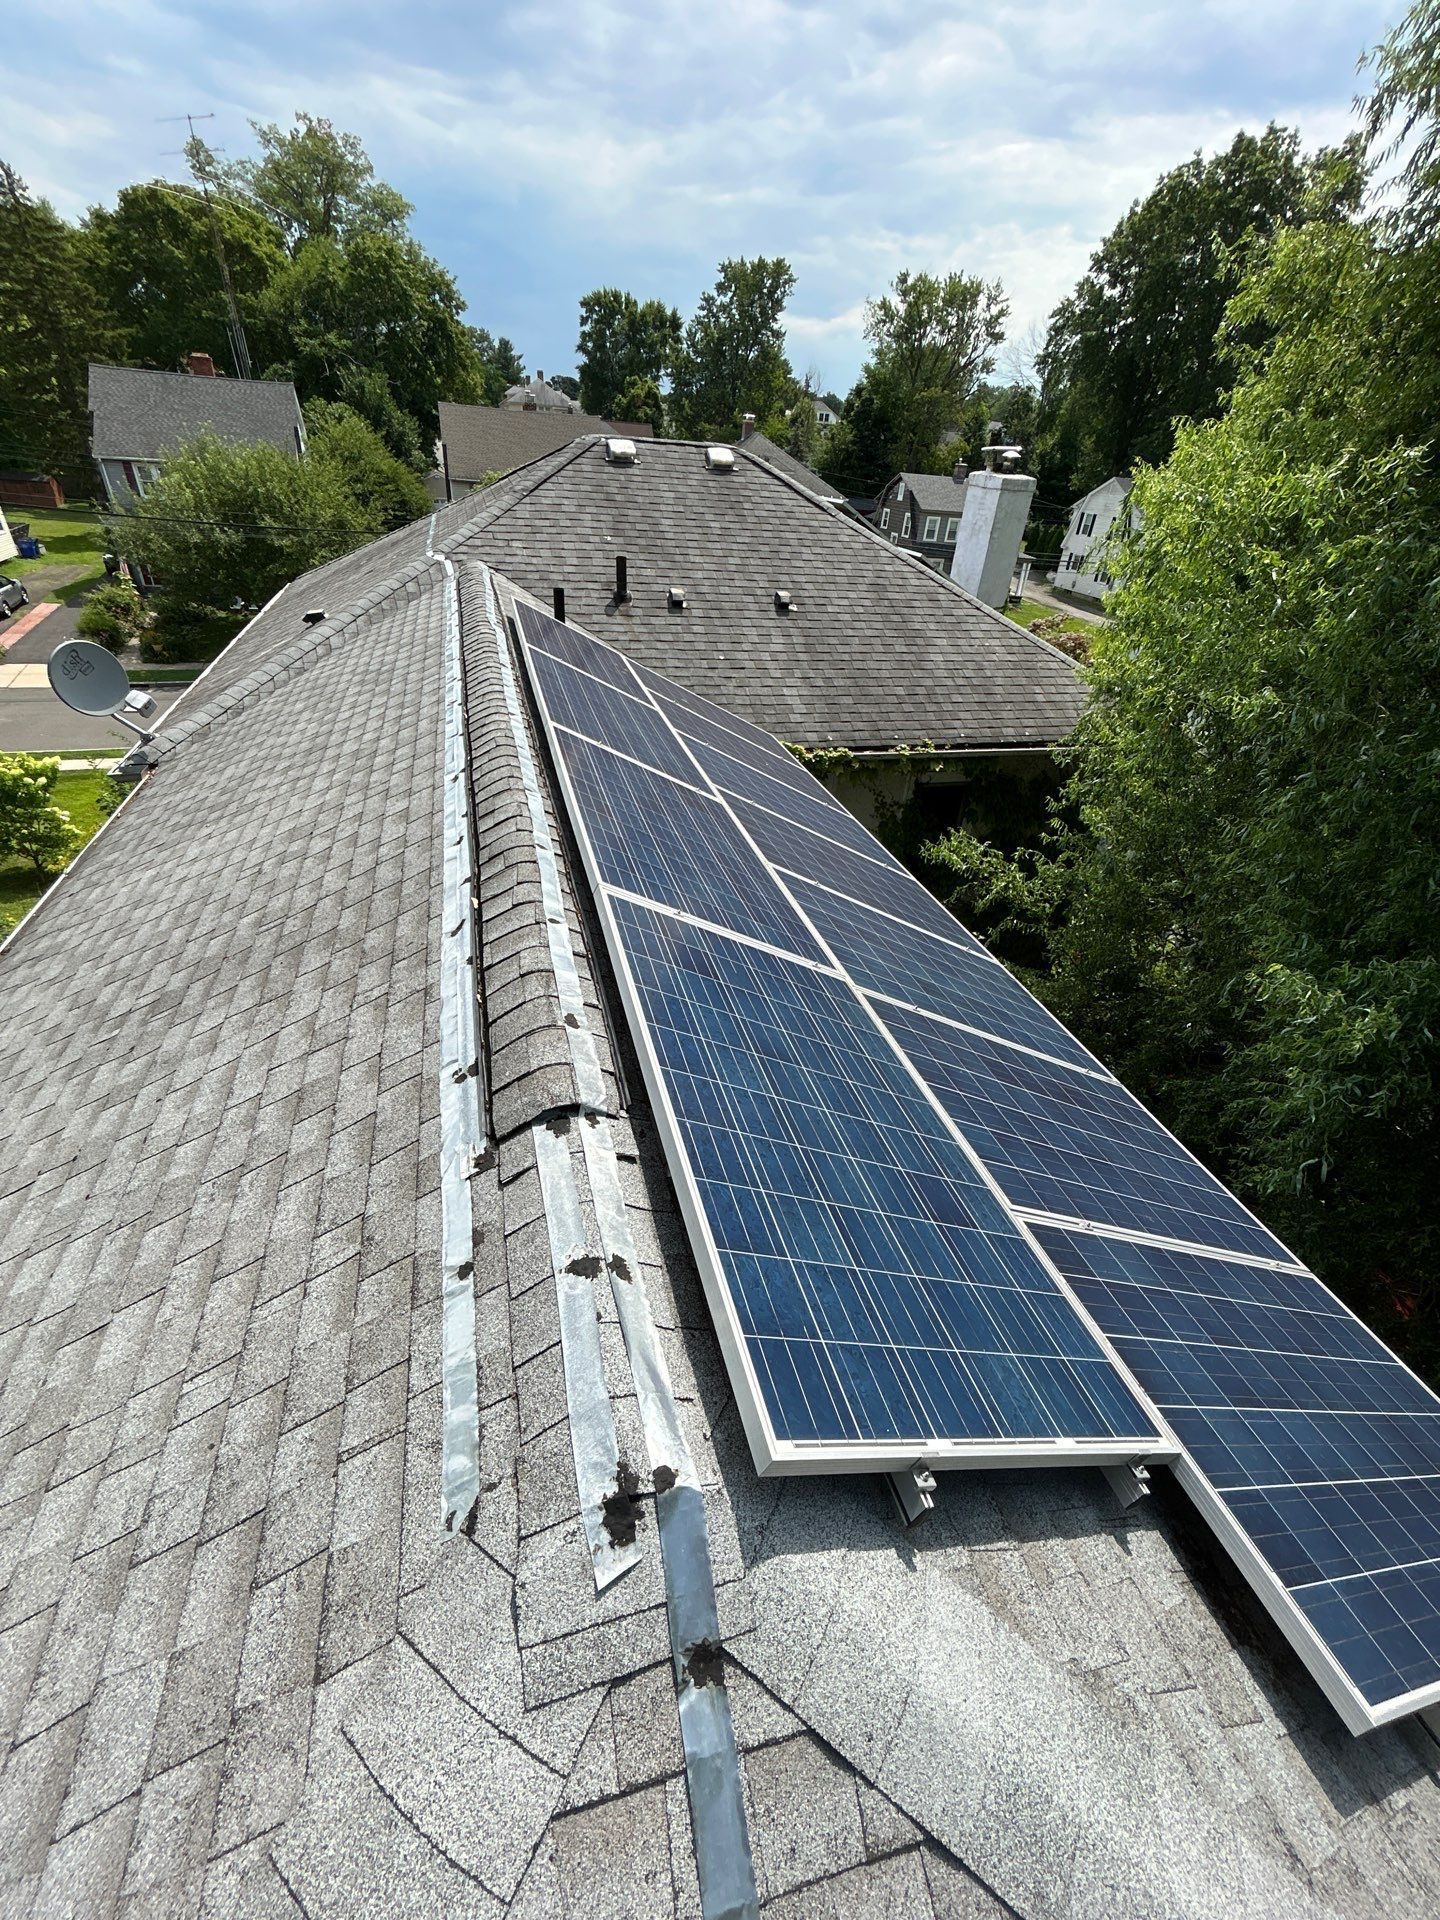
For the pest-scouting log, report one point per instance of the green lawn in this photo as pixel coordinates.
(70, 539)
(20, 885)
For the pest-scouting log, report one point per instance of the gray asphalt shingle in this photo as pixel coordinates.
(142, 413)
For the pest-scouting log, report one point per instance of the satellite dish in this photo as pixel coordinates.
(88, 678)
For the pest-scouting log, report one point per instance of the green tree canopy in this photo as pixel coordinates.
(379, 304)
(384, 488)
(500, 357)
(223, 523)
(622, 340)
(640, 399)
(154, 268)
(312, 181)
(52, 324)
(1134, 347)
(32, 826)
(731, 359)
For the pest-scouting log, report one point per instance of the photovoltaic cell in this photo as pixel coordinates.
(578, 649)
(872, 877)
(1323, 1448)
(809, 804)
(881, 1290)
(769, 758)
(616, 719)
(939, 975)
(653, 836)
(1064, 1142)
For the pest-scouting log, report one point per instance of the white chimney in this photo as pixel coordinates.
(992, 526)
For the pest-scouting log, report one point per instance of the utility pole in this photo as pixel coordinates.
(239, 346)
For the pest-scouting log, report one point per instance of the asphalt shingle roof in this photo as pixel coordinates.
(763, 446)
(141, 414)
(877, 651)
(481, 440)
(244, 1671)
(930, 492)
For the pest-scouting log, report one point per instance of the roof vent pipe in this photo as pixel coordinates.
(558, 596)
(622, 581)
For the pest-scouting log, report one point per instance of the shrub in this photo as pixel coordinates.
(113, 614)
(32, 827)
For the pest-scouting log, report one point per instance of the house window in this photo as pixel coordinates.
(932, 527)
(950, 526)
(1087, 524)
(905, 530)
(899, 493)
(884, 517)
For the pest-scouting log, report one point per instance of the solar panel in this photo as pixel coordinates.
(1075, 1144)
(942, 976)
(1315, 1444)
(932, 1226)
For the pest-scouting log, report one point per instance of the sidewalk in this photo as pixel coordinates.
(19, 624)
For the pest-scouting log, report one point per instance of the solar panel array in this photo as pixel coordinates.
(915, 1196)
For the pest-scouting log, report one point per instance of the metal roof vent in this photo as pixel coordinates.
(620, 453)
(783, 602)
(675, 597)
(314, 616)
(720, 459)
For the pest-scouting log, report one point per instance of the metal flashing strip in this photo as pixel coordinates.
(584, 1056)
(707, 1732)
(605, 1508)
(462, 1122)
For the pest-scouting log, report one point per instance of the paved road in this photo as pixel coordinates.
(1036, 589)
(32, 718)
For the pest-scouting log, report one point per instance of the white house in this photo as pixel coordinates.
(825, 414)
(538, 396)
(1091, 519)
(8, 548)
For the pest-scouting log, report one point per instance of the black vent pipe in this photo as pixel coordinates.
(559, 597)
(622, 580)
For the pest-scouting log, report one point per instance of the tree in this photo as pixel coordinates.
(312, 181)
(498, 355)
(1237, 900)
(641, 400)
(731, 360)
(51, 325)
(377, 306)
(32, 827)
(223, 523)
(856, 455)
(622, 341)
(154, 268)
(1134, 347)
(931, 340)
(566, 384)
(802, 430)
(384, 488)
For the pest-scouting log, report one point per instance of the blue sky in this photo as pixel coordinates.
(552, 147)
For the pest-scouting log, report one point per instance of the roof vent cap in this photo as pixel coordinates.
(620, 453)
(314, 616)
(783, 601)
(675, 596)
(720, 459)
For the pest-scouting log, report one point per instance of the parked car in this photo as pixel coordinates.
(13, 596)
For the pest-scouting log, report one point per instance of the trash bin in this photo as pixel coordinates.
(29, 549)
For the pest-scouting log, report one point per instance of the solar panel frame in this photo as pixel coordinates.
(771, 1453)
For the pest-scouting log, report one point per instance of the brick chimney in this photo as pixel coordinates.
(200, 364)
(747, 426)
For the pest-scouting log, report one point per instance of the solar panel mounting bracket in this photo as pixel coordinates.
(1129, 1483)
(914, 1492)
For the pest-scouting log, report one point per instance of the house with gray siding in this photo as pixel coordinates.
(138, 415)
(921, 513)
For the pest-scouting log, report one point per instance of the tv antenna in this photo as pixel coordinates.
(239, 346)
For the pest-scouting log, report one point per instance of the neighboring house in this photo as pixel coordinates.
(1091, 520)
(477, 441)
(300, 1613)
(8, 548)
(139, 414)
(764, 448)
(921, 512)
(538, 396)
(827, 410)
